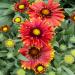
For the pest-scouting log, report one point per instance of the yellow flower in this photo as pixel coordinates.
(9, 43)
(20, 72)
(69, 59)
(5, 28)
(17, 20)
(73, 52)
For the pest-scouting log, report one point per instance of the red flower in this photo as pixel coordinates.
(36, 32)
(50, 12)
(21, 6)
(39, 67)
(35, 54)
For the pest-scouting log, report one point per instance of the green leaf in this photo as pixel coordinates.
(67, 70)
(3, 54)
(6, 20)
(69, 10)
(4, 12)
(4, 5)
(21, 57)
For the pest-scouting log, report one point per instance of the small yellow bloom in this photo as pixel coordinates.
(17, 20)
(73, 52)
(21, 6)
(9, 43)
(5, 28)
(20, 72)
(69, 59)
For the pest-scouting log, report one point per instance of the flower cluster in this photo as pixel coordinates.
(38, 32)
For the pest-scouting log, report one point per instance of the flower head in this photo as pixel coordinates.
(9, 43)
(50, 12)
(21, 6)
(34, 54)
(69, 59)
(36, 32)
(5, 28)
(39, 67)
(17, 20)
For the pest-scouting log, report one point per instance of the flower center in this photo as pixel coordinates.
(21, 6)
(17, 19)
(34, 52)
(45, 12)
(36, 32)
(5, 29)
(40, 68)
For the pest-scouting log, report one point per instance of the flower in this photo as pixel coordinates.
(39, 67)
(5, 28)
(50, 12)
(9, 43)
(21, 6)
(34, 54)
(20, 72)
(36, 32)
(69, 59)
(17, 20)
(73, 16)
(73, 52)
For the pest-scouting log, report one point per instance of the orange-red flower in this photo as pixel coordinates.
(36, 54)
(50, 12)
(36, 32)
(39, 67)
(21, 6)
